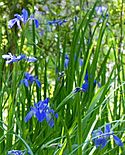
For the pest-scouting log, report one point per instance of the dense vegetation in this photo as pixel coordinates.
(62, 77)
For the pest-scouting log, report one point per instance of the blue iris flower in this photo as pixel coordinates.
(36, 22)
(31, 59)
(85, 85)
(100, 139)
(29, 79)
(12, 58)
(66, 62)
(15, 152)
(22, 18)
(42, 111)
(57, 22)
(100, 9)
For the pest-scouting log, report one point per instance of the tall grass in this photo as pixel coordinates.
(91, 39)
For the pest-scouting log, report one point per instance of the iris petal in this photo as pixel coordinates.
(28, 116)
(24, 15)
(36, 22)
(11, 23)
(117, 140)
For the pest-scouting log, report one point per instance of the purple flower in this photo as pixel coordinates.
(100, 139)
(31, 59)
(85, 85)
(80, 61)
(100, 9)
(22, 18)
(15, 152)
(108, 132)
(14, 21)
(29, 79)
(12, 58)
(36, 22)
(57, 22)
(66, 62)
(42, 112)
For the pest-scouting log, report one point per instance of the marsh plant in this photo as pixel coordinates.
(62, 78)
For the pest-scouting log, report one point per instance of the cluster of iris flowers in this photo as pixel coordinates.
(101, 139)
(12, 58)
(41, 110)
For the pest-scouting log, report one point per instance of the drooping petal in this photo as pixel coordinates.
(12, 22)
(38, 83)
(18, 24)
(80, 62)
(117, 140)
(50, 121)
(36, 22)
(6, 56)
(26, 83)
(56, 115)
(28, 116)
(31, 59)
(100, 142)
(66, 62)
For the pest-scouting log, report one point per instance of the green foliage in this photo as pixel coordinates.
(96, 39)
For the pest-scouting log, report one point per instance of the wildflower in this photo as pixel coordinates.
(100, 139)
(57, 22)
(36, 22)
(31, 59)
(61, 75)
(15, 152)
(12, 58)
(100, 9)
(42, 111)
(24, 18)
(85, 85)
(80, 61)
(29, 79)
(66, 62)
(21, 57)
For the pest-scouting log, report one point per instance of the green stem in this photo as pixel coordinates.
(79, 125)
